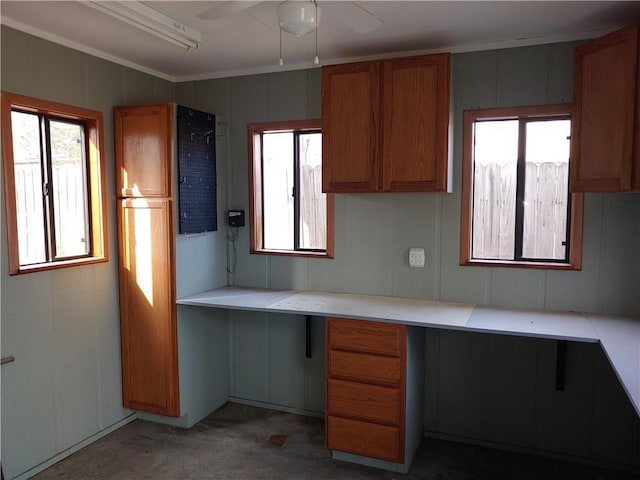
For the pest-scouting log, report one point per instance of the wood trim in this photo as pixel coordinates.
(466, 211)
(403, 391)
(330, 225)
(96, 172)
(254, 156)
(524, 111)
(286, 126)
(9, 184)
(636, 132)
(97, 179)
(575, 231)
(255, 190)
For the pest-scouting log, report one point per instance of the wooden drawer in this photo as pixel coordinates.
(365, 336)
(361, 367)
(363, 438)
(366, 402)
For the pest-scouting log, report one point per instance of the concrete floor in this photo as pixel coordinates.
(233, 443)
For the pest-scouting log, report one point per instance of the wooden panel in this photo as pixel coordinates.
(416, 123)
(461, 376)
(364, 402)
(509, 390)
(362, 438)
(144, 149)
(367, 337)
(365, 368)
(287, 360)
(604, 100)
(250, 356)
(147, 306)
(350, 116)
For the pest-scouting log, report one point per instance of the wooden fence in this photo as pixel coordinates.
(313, 210)
(545, 213)
(70, 205)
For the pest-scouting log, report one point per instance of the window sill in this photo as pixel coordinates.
(520, 264)
(292, 253)
(41, 267)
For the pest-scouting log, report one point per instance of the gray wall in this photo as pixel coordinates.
(492, 389)
(62, 326)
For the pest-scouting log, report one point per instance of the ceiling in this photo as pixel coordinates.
(247, 41)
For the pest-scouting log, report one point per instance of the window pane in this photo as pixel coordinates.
(313, 203)
(28, 184)
(277, 190)
(494, 189)
(69, 182)
(546, 189)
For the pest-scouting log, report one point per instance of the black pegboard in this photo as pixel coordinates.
(197, 202)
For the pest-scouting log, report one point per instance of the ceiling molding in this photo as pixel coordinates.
(83, 48)
(515, 43)
(298, 66)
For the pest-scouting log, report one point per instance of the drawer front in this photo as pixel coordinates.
(362, 438)
(361, 367)
(365, 336)
(366, 402)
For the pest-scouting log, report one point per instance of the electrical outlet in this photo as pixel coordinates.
(416, 257)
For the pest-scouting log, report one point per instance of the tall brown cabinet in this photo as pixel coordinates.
(146, 255)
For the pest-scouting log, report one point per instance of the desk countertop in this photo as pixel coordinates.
(619, 336)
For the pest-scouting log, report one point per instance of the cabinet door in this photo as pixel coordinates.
(147, 306)
(604, 102)
(144, 147)
(350, 127)
(416, 124)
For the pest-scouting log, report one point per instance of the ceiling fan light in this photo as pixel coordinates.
(298, 17)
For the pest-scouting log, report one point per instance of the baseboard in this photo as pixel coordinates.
(281, 408)
(530, 451)
(71, 450)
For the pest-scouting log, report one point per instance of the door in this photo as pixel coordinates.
(144, 147)
(350, 127)
(416, 123)
(604, 103)
(147, 306)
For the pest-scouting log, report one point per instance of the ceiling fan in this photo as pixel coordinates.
(351, 14)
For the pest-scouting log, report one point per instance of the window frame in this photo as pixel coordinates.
(95, 169)
(254, 136)
(574, 222)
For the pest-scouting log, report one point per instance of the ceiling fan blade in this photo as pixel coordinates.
(225, 9)
(357, 18)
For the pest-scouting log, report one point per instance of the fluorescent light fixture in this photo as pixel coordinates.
(149, 20)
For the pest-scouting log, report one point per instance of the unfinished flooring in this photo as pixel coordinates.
(249, 443)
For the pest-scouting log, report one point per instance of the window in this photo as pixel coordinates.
(516, 205)
(289, 214)
(54, 184)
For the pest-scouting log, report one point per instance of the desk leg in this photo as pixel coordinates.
(308, 336)
(561, 360)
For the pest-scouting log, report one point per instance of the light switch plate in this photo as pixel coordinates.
(416, 257)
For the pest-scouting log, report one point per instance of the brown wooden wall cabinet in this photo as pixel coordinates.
(605, 146)
(367, 381)
(146, 247)
(385, 125)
